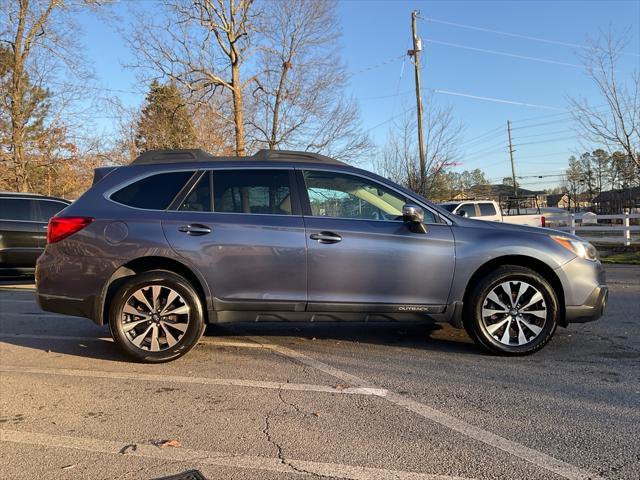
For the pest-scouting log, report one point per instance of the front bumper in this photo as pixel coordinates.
(592, 309)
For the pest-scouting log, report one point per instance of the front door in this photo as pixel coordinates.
(360, 253)
(243, 230)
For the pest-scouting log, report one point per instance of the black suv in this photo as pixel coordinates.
(23, 229)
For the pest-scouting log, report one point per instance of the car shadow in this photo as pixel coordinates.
(416, 335)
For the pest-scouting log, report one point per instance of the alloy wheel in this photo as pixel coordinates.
(155, 318)
(514, 313)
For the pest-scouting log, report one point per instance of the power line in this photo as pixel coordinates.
(504, 54)
(560, 139)
(515, 35)
(496, 100)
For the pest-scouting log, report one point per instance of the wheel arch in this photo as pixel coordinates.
(145, 264)
(532, 263)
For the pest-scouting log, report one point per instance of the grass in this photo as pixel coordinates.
(629, 258)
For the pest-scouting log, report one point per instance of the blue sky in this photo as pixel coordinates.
(376, 35)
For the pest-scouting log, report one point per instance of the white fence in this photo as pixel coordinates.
(617, 229)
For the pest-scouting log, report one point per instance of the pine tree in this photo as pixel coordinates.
(165, 122)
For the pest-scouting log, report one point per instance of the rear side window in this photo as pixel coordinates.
(252, 191)
(154, 192)
(48, 209)
(199, 199)
(487, 209)
(17, 209)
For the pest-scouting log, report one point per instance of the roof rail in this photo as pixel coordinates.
(152, 157)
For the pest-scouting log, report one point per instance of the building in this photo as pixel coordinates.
(618, 201)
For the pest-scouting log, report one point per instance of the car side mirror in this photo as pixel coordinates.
(413, 216)
(463, 213)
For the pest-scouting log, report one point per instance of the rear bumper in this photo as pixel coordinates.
(592, 309)
(77, 307)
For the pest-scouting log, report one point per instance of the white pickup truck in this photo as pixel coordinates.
(490, 210)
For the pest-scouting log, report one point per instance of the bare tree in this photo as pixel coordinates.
(299, 101)
(400, 159)
(39, 47)
(617, 125)
(201, 45)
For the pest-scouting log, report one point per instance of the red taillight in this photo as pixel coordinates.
(543, 221)
(62, 227)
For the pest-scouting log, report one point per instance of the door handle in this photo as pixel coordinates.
(326, 237)
(195, 229)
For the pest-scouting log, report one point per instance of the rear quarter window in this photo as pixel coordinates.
(154, 192)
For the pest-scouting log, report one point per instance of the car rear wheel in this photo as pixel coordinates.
(512, 311)
(156, 317)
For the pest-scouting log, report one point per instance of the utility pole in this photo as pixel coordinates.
(415, 53)
(513, 168)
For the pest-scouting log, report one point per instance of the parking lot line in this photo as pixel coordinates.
(220, 459)
(530, 455)
(216, 342)
(146, 377)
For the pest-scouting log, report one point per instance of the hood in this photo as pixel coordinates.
(469, 222)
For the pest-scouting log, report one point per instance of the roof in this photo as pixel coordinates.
(618, 195)
(501, 190)
(31, 195)
(155, 157)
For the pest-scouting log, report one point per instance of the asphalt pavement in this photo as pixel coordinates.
(284, 401)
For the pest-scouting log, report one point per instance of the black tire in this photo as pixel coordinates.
(478, 330)
(195, 323)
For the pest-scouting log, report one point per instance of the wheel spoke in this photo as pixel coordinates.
(131, 325)
(155, 346)
(506, 336)
(488, 312)
(494, 327)
(534, 328)
(155, 295)
(535, 299)
(178, 326)
(506, 287)
(171, 340)
(522, 287)
(537, 313)
(139, 339)
(522, 338)
(139, 295)
(170, 298)
(177, 311)
(129, 310)
(494, 298)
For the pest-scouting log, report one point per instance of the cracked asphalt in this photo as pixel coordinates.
(361, 401)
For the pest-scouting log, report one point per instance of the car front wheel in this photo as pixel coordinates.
(512, 311)
(156, 317)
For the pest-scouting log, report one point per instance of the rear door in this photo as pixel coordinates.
(20, 233)
(362, 256)
(244, 230)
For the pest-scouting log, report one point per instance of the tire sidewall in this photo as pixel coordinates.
(190, 338)
(477, 328)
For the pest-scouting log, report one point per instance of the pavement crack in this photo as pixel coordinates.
(279, 450)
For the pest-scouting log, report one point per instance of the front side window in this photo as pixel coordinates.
(154, 192)
(342, 195)
(487, 209)
(17, 209)
(469, 208)
(252, 191)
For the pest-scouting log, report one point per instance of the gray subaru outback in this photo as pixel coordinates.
(178, 239)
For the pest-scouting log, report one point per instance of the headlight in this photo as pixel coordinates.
(581, 248)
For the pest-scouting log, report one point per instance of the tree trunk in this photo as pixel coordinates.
(238, 113)
(273, 143)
